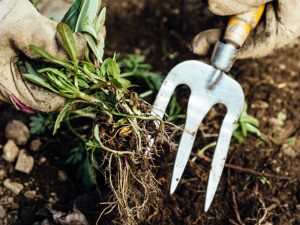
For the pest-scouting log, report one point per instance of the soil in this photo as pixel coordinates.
(260, 183)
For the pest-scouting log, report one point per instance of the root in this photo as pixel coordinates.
(135, 192)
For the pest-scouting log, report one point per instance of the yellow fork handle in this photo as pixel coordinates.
(240, 26)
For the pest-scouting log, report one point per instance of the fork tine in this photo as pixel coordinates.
(219, 158)
(197, 110)
(164, 95)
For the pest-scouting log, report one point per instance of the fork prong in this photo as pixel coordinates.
(219, 158)
(164, 95)
(197, 110)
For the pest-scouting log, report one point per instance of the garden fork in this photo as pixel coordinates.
(209, 86)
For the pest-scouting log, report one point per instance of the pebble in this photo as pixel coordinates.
(2, 173)
(35, 145)
(276, 122)
(24, 163)
(10, 151)
(42, 160)
(62, 176)
(15, 187)
(30, 194)
(2, 212)
(53, 198)
(17, 131)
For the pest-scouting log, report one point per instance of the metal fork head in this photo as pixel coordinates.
(196, 75)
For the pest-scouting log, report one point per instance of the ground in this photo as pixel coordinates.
(260, 184)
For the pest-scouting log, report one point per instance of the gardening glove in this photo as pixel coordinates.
(20, 26)
(280, 26)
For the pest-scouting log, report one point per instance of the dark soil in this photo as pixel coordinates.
(162, 31)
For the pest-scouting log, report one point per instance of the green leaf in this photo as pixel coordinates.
(40, 51)
(87, 15)
(54, 71)
(111, 68)
(253, 129)
(39, 81)
(90, 30)
(69, 43)
(96, 133)
(82, 83)
(61, 116)
(101, 46)
(121, 83)
(39, 123)
(92, 44)
(99, 23)
(71, 16)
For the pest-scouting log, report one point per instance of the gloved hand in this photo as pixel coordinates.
(20, 26)
(280, 26)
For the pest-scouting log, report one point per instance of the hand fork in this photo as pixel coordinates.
(209, 85)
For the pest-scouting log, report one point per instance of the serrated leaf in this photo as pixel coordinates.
(69, 43)
(121, 83)
(40, 51)
(61, 117)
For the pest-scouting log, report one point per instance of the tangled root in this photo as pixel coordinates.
(131, 178)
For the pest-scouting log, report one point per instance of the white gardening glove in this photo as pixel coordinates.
(20, 26)
(279, 26)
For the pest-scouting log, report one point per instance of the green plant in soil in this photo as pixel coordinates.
(246, 124)
(118, 144)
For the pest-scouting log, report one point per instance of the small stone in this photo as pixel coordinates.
(2, 212)
(276, 122)
(10, 151)
(35, 145)
(53, 198)
(15, 187)
(2, 173)
(24, 163)
(10, 199)
(17, 131)
(30, 194)
(42, 160)
(62, 176)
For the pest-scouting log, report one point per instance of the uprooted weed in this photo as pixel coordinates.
(120, 144)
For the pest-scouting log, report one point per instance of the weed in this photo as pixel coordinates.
(119, 144)
(246, 124)
(40, 123)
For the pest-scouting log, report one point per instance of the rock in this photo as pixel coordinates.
(30, 194)
(276, 122)
(62, 176)
(2, 212)
(53, 198)
(14, 187)
(17, 131)
(2, 173)
(42, 160)
(24, 163)
(10, 151)
(35, 145)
